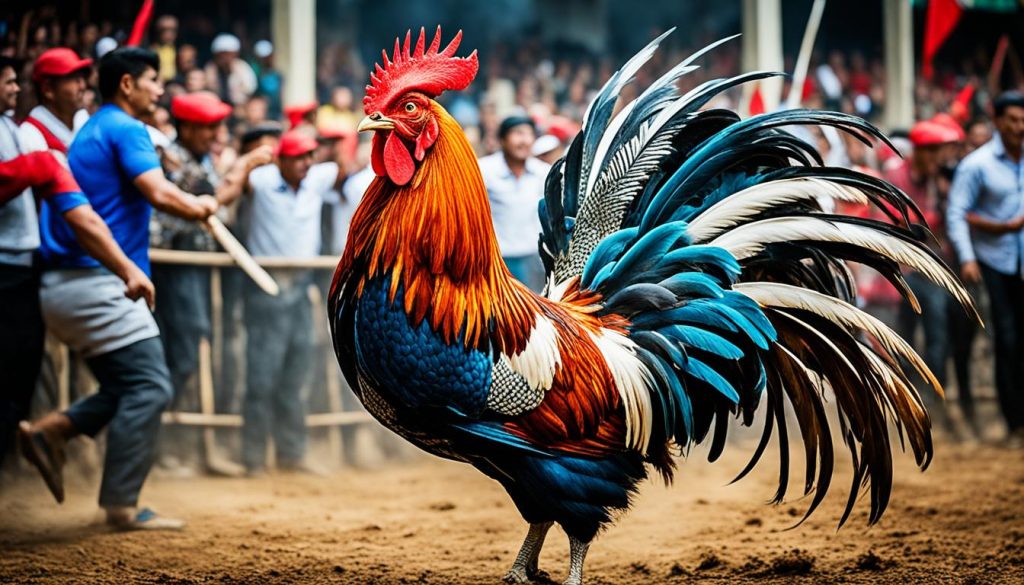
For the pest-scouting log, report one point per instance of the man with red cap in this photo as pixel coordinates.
(285, 212)
(59, 77)
(302, 117)
(183, 314)
(934, 142)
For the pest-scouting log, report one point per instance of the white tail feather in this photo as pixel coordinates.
(771, 294)
(749, 239)
(746, 204)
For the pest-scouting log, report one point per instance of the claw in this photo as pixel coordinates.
(516, 576)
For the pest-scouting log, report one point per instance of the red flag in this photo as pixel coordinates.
(756, 106)
(939, 22)
(141, 24)
(960, 109)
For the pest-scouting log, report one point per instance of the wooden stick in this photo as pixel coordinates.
(241, 256)
(334, 438)
(322, 419)
(206, 397)
(188, 258)
(803, 61)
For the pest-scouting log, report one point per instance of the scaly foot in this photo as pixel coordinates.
(519, 575)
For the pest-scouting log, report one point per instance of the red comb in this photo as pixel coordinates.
(422, 69)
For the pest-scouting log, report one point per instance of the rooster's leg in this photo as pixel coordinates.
(577, 554)
(525, 566)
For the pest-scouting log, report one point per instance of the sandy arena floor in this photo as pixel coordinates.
(435, 522)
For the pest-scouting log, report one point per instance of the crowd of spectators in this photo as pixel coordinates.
(519, 115)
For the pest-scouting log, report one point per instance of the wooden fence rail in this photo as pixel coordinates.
(211, 354)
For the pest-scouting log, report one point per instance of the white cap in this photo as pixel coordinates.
(545, 144)
(104, 46)
(862, 104)
(263, 48)
(226, 43)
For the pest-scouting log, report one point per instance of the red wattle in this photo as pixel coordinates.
(377, 155)
(398, 161)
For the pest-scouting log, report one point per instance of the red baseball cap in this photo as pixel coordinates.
(951, 123)
(930, 133)
(58, 62)
(201, 107)
(296, 112)
(296, 143)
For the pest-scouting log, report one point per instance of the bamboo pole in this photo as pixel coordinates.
(334, 439)
(325, 419)
(241, 256)
(206, 398)
(804, 59)
(217, 321)
(186, 258)
(62, 371)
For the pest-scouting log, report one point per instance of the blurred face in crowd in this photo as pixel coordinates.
(255, 110)
(577, 92)
(927, 159)
(224, 59)
(518, 142)
(186, 58)
(89, 102)
(949, 154)
(8, 89)
(162, 121)
(1011, 125)
(269, 140)
(341, 98)
(295, 168)
(64, 95)
(195, 80)
(856, 150)
(167, 29)
(977, 135)
(198, 138)
(90, 34)
(142, 92)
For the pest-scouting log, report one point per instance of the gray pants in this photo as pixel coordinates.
(135, 388)
(279, 358)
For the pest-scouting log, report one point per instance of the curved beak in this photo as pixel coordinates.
(375, 121)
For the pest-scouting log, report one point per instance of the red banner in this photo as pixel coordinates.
(940, 20)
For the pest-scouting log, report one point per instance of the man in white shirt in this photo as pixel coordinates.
(287, 198)
(515, 185)
(59, 76)
(231, 78)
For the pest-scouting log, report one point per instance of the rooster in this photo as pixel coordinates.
(692, 278)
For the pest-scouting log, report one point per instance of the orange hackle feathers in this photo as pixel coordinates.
(423, 69)
(433, 237)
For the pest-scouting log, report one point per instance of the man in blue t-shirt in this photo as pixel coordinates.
(114, 161)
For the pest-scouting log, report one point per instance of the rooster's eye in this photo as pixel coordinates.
(410, 107)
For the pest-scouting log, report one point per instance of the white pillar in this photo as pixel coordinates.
(899, 63)
(762, 47)
(294, 32)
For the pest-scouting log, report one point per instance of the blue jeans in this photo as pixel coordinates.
(279, 360)
(135, 387)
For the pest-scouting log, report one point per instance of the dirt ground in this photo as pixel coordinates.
(435, 522)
